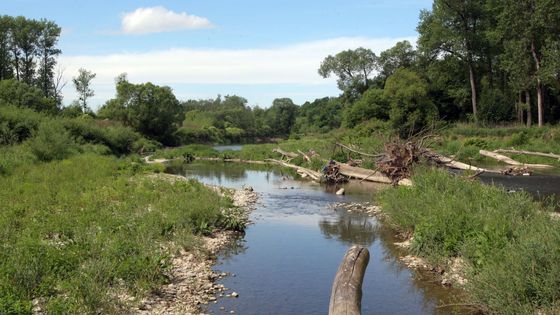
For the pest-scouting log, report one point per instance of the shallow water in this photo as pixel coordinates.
(232, 147)
(287, 260)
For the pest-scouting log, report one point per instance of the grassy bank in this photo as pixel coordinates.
(508, 241)
(77, 233)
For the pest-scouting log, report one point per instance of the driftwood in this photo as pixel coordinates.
(302, 170)
(369, 175)
(451, 163)
(289, 155)
(346, 295)
(231, 160)
(305, 156)
(550, 155)
(510, 161)
(358, 152)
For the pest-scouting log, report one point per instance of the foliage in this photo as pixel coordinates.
(72, 234)
(51, 142)
(150, 109)
(411, 108)
(23, 95)
(505, 239)
(372, 105)
(82, 83)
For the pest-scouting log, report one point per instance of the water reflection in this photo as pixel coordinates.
(350, 229)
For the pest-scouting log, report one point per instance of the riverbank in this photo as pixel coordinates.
(95, 234)
(191, 278)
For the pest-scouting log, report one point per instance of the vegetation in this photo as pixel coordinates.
(78, 236)
(508, 241)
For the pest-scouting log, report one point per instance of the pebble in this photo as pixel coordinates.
(234, 294)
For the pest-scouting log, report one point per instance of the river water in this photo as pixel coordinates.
(287, 260)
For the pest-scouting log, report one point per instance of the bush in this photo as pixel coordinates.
(372, 104)
(17, 124)
(52, 142)
(21, 94)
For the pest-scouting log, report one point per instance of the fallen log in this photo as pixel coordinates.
(231, 160)
(451, 163)
(358, 152)
(305, 157)
(510, 161)
(290, 155)
(369, 175)
(346, 294)
(313, 174)
(550, 155)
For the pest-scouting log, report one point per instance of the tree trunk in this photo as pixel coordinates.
(539, 83)
(528, 102)
(520, 108)
(473, 91)
(346, 294)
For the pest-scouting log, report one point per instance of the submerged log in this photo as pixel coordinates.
(346, 294)
(369, 175)
(510, 161)
(550, 155)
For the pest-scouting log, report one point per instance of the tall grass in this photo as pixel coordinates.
(77, 231)
(510, 244)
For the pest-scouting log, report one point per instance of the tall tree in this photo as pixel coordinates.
(532, 27)
(454, 27)
(353, 69)
(6, 64)
(47, 50)
(402, 55)
(82, 84)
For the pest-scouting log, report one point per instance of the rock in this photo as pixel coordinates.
(234, 294)
(248, 188)
(341, 191)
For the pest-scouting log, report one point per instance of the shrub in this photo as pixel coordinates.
(52, 142)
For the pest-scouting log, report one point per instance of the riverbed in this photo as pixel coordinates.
(287, 260)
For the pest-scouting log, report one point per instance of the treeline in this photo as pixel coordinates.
(480, 61)
(28, 52)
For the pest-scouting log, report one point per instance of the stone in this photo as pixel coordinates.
(341, 191)
(234, 294)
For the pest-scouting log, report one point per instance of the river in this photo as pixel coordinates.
(288, 257)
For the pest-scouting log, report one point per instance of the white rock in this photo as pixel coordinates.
(341, 191)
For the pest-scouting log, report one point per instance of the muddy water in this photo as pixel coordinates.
(287, 260)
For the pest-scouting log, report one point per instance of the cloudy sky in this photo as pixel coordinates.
(260, 50)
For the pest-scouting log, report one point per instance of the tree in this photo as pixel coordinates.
(23, 95)
(411, 107)
(47, 51)
(281, 116)
(6, 63)
(531, 27)
(82, 84)
(373, 104)
(454, 27)
(150, 109)
(402, 55)
(353, 69)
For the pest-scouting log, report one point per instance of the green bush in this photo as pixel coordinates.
(17, 124)
(52, 142)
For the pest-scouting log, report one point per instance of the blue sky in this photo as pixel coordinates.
(260, 50)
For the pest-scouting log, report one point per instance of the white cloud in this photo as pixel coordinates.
(293, 64)
(159, 19)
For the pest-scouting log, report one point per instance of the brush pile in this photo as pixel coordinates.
(398, 158)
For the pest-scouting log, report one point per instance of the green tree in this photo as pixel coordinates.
(411, 108)
(82, 84)
(373, 104)
(353, 69)
(281, 116)
(23, 95)
(402, 55)
(6, 63)
(150, 109)
(47, 50)
(454, 27)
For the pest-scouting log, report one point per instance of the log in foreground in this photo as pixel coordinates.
(510, 161)
(346, 295)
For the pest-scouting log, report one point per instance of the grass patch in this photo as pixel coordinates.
(510, 244)
(75, 231)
